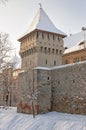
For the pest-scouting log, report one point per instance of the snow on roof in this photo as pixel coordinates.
(74, 39)
(73, 42)
(75, 48)
(42, 22)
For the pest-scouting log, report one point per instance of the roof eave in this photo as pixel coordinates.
(63, 35)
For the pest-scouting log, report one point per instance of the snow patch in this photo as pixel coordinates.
(11, 120)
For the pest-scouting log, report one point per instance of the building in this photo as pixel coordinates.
(9, 83)
(75, 48)
(44, 84)
(42, 44)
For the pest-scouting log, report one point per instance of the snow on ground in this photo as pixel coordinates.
(11, 120)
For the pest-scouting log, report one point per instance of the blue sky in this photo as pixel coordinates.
(67, 15)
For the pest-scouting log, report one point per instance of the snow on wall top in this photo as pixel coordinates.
(42, 22)
(59, 67)
(73, 42)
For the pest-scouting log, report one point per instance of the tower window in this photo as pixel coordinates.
(49, 50)
(73, 81)
(58, 82)
(48, 78)
(45, 49)
(53, 50)
(53, 37)
(46, 61)
(60, 52)
(41, 49)
(56, 51)
(59, 38)
(37, 35)
(42, 35)
(54, 62)
(48, 35)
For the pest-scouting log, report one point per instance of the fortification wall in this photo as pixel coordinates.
(34, 81)
(60, 89)
(44, 88)
(69, 88)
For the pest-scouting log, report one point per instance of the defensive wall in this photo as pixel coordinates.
(61, 88)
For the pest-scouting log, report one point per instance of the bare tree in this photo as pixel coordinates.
(5, 65)
(33, 94)
(5, 51)
(3, 1)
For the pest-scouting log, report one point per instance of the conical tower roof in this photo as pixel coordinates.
(42, 22)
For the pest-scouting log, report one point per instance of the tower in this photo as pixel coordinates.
(42, 44)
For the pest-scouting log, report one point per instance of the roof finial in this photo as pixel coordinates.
(40, 5)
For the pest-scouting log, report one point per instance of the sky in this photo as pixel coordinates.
(16, 15)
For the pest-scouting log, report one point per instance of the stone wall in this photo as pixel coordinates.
(69, 88)
(44, 88)
(61, 88)
(30, 81)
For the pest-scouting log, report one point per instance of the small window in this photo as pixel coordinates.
(53, 50)
(37, 35)
(73, 81)
(42, 35)
(53, 37)
(48, 35)
(56, 51)
(59, 38)
(54, 62)
(48, 78)
(76, 59)
(49, 50)
(58, 82)
(66, 61)
(41, 49)
(45, 49)
(60, 52)
(46, 61)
